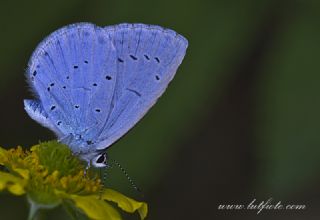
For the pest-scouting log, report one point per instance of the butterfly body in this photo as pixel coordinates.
(93, 84)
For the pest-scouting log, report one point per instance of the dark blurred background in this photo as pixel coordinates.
(240, 121)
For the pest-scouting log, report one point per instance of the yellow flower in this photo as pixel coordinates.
(49, 175)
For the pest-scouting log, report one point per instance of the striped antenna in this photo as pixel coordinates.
(103, 177)
(127, 176)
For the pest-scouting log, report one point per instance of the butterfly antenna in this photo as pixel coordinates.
(127, 176)
(102, 183)
(103, 177)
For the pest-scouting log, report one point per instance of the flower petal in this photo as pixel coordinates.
(3, 155)
(125, 203)
(22, 172)
(95, 208)
(12, 183)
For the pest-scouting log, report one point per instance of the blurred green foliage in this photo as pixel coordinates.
(289, 104)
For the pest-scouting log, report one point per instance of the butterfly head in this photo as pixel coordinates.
(100, 160)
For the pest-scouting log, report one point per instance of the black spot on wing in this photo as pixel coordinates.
(134, 91)
(133, 57)
(108, 77)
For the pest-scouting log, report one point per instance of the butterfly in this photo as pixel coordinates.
(93, 84)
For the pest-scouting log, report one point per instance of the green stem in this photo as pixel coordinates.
(36, 207)
(33, 210)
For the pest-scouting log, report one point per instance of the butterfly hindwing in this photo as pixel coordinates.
(35, 111)
(73, 73)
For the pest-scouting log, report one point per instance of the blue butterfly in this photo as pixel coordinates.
(93, 84)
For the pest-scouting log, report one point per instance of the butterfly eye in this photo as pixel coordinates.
(102, 158)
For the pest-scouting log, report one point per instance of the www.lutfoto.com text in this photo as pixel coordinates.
(263, 205)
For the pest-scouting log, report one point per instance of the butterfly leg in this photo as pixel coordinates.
(86, 170)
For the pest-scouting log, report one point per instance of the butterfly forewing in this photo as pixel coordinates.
(148, 57)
